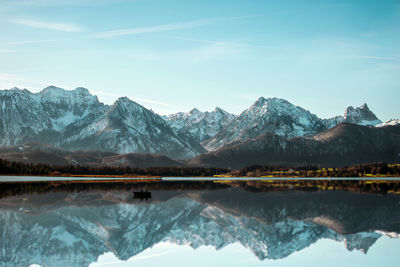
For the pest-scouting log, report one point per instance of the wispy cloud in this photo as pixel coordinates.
(393, 58)
(7, 50)
(35, 41)
(48, 25)
(158, 28)
(150, 101)
(165, 27)
(58, 2)
(221, 43)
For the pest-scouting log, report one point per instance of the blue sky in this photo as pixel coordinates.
(324, 252)
(174, 55)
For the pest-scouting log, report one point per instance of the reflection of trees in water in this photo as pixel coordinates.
(281, 216)
(378, 187)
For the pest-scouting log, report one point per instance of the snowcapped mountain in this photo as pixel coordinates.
(127, 126)
(73, 229)
(343, 145)
(361, 115)
(199, 125)
(77, 120)
(43, 116)
(391, 122)
(271, 115)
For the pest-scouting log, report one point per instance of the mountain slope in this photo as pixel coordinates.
(343, 145)
(77, 120)
(44, 116)
(38, 153)
(391, 122)
(272, 115)
(129, 127)
(361, 115)
(198, 125)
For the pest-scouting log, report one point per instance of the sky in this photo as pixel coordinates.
(173, 55)
(324, 252)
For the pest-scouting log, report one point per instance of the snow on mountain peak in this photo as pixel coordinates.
(220, 110)
(82, 91)
(195, 111)
(273, 115)
(59, 116)
(198, 125)
(392, 122)
(361, 115)
(52, 90)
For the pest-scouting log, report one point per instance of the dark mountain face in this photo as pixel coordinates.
(343, 145)
(38, 153)
(73, 229)
(140, 160)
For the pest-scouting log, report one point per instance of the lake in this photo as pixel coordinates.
(191, 223)
(54, 178)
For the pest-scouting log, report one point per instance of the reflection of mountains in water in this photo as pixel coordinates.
(73, 229)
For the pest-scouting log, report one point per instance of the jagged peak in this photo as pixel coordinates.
(195, 111)
(275, 104)
(128, 103)
(391, 122)
(82, 90)
(362, 112)
(259, 102)
(123, 101)
(52, 88)
(220, 110)
(270, 101)
(363, 107)
(14, 90)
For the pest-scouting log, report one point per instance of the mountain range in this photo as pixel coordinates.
(272, 130)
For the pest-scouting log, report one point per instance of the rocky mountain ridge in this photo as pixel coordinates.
(343, 145)
(76, 120)
(198, 125)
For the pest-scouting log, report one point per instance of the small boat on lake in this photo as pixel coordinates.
(142, 195)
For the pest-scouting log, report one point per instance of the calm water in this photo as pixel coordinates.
(212, 225)
(52, 178)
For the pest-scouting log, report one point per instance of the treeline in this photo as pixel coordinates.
(17, 168)
(361, 170)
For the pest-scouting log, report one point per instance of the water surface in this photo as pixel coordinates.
(189, 223)
(54, 178)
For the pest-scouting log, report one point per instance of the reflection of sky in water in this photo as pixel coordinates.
(297, 227)
(325, 252)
